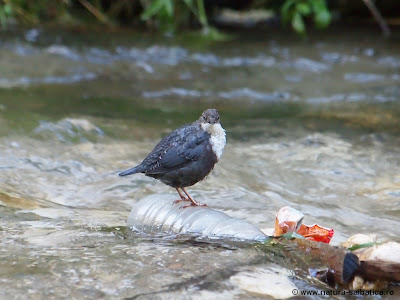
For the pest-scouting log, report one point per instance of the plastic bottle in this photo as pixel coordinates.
(158, 214)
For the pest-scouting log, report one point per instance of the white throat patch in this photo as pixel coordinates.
(218, 137)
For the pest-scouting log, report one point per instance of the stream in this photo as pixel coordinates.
(312, 124)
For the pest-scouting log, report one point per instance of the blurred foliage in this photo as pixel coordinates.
(294, 12)
(31, 11)
(165, 15)
(5, 13)
(168, 13)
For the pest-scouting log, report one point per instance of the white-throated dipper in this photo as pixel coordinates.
(187, 155)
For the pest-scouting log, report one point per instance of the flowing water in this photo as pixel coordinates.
(314, 125)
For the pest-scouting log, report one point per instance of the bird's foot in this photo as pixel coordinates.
(194, 203)
(182, 199)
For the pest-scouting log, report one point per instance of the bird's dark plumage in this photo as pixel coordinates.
(187, 155)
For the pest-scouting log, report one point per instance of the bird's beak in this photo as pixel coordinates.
(212, 120)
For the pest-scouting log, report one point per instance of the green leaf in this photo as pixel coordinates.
(322, 19)
(319, 5)
(303, 8)
(298, 23)
(360, 246)
(287, 6)
(169, 7)
(153, 9)
(202, 16)
(287, 10)
(7, 9)
(189, 3)
(292, 235)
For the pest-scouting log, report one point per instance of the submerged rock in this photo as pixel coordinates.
(271, 282)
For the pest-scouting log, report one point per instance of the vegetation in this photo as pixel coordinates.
(294, 12)
(167, 15)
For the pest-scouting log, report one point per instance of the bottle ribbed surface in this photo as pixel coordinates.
(157, 214)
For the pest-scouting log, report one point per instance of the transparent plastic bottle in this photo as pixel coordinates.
(158, 214)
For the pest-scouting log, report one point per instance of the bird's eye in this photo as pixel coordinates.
(204, 118)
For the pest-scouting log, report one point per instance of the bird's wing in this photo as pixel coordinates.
(177, 150)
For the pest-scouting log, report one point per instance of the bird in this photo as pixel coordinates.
(186, 156)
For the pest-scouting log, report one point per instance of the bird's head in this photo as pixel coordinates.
(209, 116)
(209, 122)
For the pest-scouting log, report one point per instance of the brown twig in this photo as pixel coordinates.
(94, 11)
(378, 17)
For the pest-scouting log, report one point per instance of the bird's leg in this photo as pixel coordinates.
(194, 202)
(183, 198)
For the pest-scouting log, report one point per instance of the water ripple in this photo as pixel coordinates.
(338, 58)
(232, 94)
(63, 51)
(69, 129)
(390, 61)
(310, 65)
(157, 54)
(254, 95)
(171, 56)
(363, 77)
(25, 81)
(351, 97)
(175, 92)
(216, 61)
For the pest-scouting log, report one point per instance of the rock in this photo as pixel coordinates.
(273, 282)
(389, 252)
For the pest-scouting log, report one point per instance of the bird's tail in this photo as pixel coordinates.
(130, 171)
